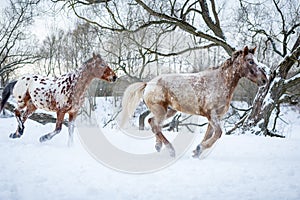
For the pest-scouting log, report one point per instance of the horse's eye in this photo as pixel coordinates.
(251, 62)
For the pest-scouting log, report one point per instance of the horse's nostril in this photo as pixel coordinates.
(115, 78)
(264, 81)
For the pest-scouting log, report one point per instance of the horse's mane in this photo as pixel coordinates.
(84, 65)
(229, 61)
(91, 59)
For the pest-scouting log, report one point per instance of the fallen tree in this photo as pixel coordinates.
(42, 118)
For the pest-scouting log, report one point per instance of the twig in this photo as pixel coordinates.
(241, 109)
(193, 124)
(112, 118)
(271, 134)
(237, 125)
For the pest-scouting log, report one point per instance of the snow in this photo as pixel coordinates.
(292, 79)
(268, 99)
(240, 167)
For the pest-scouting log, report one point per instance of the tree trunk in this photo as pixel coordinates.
(272, 95)
(142, 119)
(42, 118)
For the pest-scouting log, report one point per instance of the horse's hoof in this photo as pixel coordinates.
(20, 130)
(158, 146)
(197, 152)
(172, 154)
(70, 143)
(44, 138)
(15, 135)
(171, 150)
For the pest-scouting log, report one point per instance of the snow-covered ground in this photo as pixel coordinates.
(239, 167)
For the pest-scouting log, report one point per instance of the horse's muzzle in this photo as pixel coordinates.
(262, 82)
(114, 78)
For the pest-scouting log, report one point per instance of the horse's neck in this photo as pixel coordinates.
(84, 79)
(231, 76)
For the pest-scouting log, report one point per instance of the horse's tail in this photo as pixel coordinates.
(7, 91)
(131, 99)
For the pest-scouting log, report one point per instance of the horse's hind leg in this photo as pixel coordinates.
(59, 121)
(20, 129)
(171, 112)
(160, 113)
(29, 110)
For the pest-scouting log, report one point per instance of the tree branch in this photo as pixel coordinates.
(177, 53)
(188, 27)
(293, 81)
(85, 2)
(288, 62)
(214, 26)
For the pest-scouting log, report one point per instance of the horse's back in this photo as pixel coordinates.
(194, 93)
(33, 87)
(176, 90)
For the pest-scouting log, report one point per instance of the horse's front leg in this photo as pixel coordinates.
(59, 121)
(71, 125)
(217, 134)
(206, 145)
(208, 134)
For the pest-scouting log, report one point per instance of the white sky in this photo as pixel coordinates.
(51, 18)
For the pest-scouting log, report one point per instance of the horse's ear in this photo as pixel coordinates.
(245, 51)
(252, 50)
(94, 55)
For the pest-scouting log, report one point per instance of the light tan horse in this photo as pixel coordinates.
(207, 93)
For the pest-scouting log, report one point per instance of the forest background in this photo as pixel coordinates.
(142, 39)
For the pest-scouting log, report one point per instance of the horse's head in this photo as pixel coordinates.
(100, 69)
(249, 66)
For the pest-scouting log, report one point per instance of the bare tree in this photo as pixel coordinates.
(283, 38)
(198, 18)
(124, 50)
(15, 48)
(278, 38)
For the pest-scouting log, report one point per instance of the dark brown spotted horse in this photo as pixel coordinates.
(64, 94)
